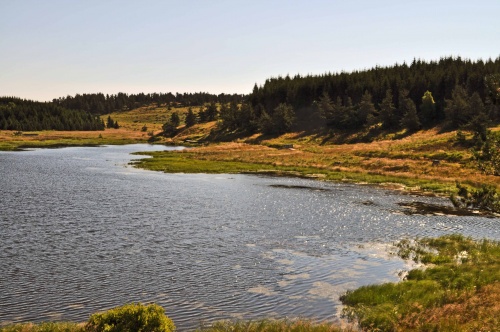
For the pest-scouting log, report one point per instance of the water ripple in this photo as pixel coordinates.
(82, 232)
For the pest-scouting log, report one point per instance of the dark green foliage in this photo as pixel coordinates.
(131, 318)
(487, 152)
(492, 83)
(190, 118)
(98, 103)
(169, 129)
(110, 123)
(211, 112)
(26, 115)
(326, 108)
(279, 122)
(202, 117)
(366, 109)
(428, 114)
(387, 111)
(307, 94)
(283, 118)
(479, 126)
(247, 119)
(410, 118)
(266, 123)
(458, 111)
(227, 117)
(485, 198)
(175, 120)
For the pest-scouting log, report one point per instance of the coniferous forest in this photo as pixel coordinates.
(98, 103)
(451, 92)
(27, 115)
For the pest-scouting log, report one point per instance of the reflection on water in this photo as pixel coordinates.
(82, 232)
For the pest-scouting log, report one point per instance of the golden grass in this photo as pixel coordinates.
(470, 312)
(408, 160)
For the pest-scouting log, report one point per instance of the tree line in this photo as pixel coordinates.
(99, 103)
(26, 115)
(452, 92)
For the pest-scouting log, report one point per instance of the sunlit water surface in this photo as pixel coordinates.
(81, 231)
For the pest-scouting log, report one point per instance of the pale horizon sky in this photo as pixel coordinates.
(55, 48)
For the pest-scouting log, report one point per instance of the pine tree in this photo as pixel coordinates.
(110, 123)
(387, 111)
(190, 118)
(427, 114)
(211, 111)
(366, 109)
(410, 119)
(283, 118)
(175, 120)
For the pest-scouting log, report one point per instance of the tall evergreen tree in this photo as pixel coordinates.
(457, 108)
(427, 114)
(283, 118)
(175, 120)
(211, 111)
(410, 119)
(387, 110)
(366, 109)
(190, 118)
(110, 123)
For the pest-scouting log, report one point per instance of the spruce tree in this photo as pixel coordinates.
(427, 114)
(190, 118)
(387, 111)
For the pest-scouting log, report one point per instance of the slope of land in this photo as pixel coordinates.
(427, 160)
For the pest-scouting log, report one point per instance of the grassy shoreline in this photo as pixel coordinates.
(458, 290)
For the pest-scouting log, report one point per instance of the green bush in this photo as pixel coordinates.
(131, 318)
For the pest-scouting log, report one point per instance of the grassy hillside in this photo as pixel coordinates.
(427, 160)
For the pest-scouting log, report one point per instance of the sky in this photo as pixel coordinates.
(55, 48)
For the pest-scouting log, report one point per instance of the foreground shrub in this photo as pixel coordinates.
(131, 318)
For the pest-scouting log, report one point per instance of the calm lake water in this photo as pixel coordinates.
(81, 231)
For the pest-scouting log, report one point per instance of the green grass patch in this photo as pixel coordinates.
(459, 267)
(45, 327)
(192, 162)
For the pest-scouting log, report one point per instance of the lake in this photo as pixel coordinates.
(83, 231)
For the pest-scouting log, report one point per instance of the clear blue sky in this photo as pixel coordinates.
(54, 48)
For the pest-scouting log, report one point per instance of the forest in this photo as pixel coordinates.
(98, 103)
(26, 115)
(452, 93)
